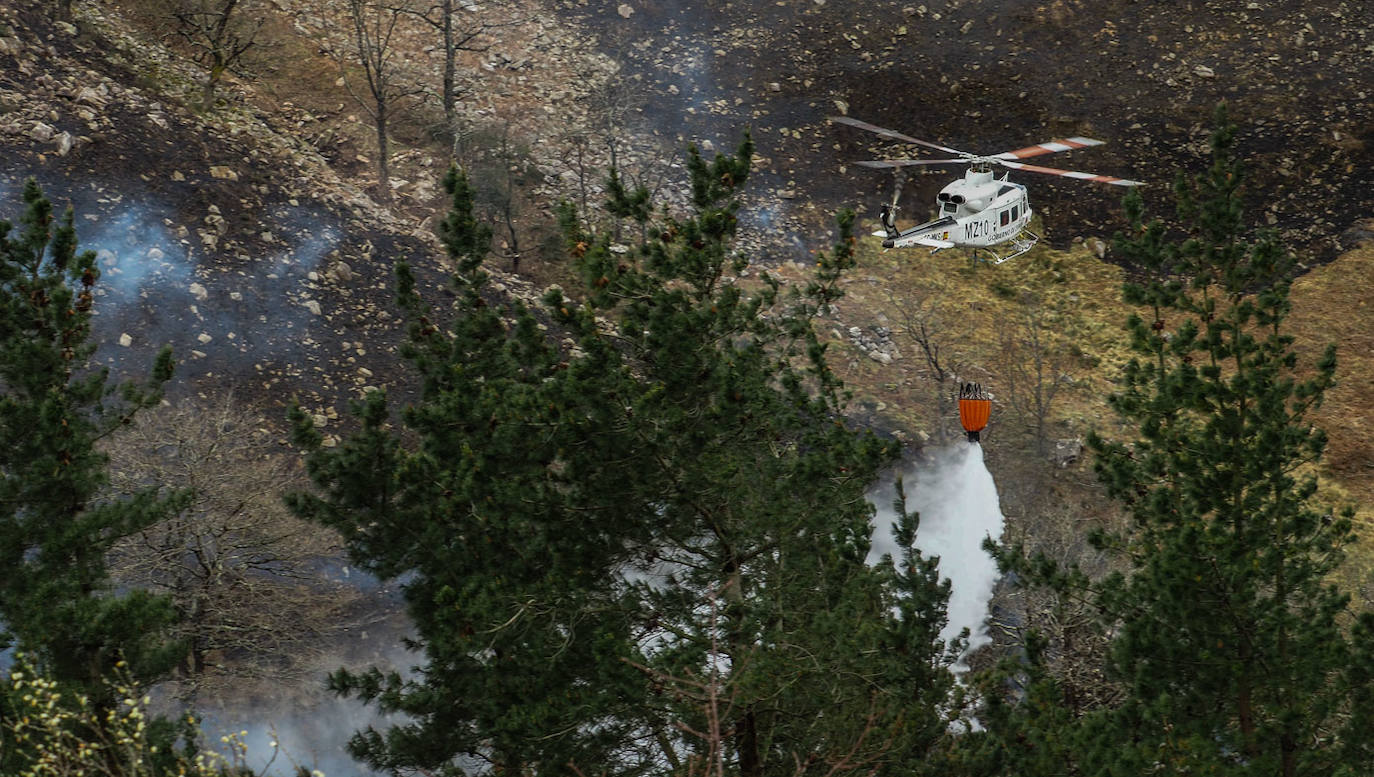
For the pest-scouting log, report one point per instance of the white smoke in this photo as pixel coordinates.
(277, 742)
(958, 505)
(306, 726)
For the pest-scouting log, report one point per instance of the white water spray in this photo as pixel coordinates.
(957, 501)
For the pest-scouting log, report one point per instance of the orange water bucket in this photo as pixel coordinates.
(974, 408)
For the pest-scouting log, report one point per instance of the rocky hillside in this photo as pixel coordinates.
(248, 236)
(232, 242)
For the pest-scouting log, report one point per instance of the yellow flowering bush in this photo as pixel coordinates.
(48, 732)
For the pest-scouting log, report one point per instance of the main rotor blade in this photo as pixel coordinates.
(1070, 173)
(1063, 144)
(887, 133)
(887, 164)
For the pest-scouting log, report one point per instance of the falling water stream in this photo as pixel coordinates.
(957, 501)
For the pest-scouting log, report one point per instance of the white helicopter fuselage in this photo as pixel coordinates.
(976, 211)
(986, 211)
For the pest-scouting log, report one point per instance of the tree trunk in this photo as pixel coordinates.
(207, 95)
(450, 68)
(383, 162)
(747, 743)
(745, 723)
(1245, 715)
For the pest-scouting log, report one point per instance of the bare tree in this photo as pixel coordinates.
(1035, 366)
(506, 202)
(923, 322)
(375, 27)
(467, 35)
(242, 572)
(219, 36)
(598, 142)
(1074, 644)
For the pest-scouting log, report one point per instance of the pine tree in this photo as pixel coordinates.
(644, 551)
(56, 526)
(503, 520)
(1236, 653)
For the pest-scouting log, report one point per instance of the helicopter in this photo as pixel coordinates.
(979, 211)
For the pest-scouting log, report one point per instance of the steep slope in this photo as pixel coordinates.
(233, 242)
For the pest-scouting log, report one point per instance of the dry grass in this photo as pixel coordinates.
(1335, 304)
(972, 314)
(973, 311)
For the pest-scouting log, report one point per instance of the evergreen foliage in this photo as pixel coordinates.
(56, 602)
(641, 549)
(1237, 655)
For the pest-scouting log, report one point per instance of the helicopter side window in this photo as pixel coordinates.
(1015, 212)
(1006, 214)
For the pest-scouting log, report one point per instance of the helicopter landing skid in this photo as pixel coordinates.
(1024, 241)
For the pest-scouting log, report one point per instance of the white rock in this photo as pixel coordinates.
(125, 340)
(198, 291)
(625, 10)
(204, 338)
(91, 97)
(312, 306)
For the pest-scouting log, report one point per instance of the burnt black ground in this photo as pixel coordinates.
(992, 75)
(292, 299)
